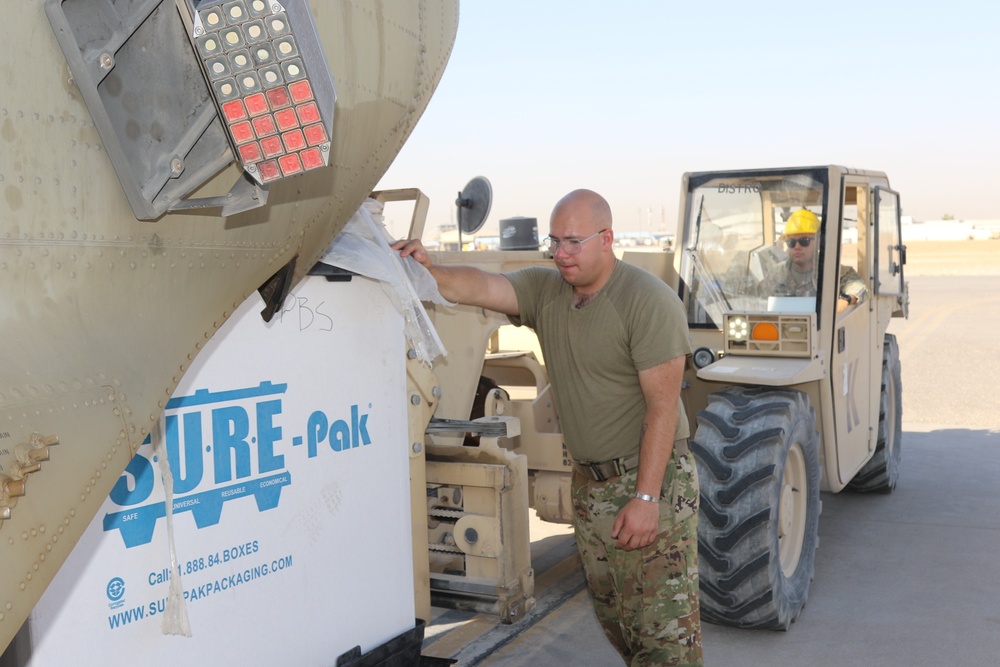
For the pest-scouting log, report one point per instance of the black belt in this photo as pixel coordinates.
(604, 471)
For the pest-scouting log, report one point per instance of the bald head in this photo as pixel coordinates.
(585, 208)
(584, 217)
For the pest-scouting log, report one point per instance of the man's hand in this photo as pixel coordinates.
(637, 525)
(464, 284)
(413, 248)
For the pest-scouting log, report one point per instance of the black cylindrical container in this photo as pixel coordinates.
(519, 234)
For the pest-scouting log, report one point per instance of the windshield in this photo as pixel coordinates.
(736, 254)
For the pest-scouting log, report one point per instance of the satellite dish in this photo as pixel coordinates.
(473, 205)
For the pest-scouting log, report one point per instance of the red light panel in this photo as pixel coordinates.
(290, 164)
(301, 91)
(267, 101)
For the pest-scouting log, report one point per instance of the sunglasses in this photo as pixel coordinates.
(804, 242)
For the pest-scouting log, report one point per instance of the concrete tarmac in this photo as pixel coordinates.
(905, 579)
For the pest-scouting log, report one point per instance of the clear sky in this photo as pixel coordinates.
(544, 96)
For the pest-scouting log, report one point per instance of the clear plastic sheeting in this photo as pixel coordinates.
(363, 247)
(175, 618)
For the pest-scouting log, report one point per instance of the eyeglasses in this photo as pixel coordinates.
(804, 242)
(569, 246)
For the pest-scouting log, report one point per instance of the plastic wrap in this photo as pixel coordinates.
(175, 618)
(363, 247)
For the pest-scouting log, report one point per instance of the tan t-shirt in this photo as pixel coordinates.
(594, 354)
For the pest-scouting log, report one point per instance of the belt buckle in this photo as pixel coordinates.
(598, 470)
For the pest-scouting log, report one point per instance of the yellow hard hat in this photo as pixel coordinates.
(802, 221)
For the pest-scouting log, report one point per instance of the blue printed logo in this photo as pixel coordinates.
(227, 441)
(116, 589)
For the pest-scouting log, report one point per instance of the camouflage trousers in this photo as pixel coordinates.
(645, 599)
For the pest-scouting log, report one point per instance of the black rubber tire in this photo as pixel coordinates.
(882, 470)
(747, 441)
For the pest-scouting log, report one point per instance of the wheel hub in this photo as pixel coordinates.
(792, 510)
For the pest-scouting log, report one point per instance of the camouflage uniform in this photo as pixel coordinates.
(645, 599)
(789, 282)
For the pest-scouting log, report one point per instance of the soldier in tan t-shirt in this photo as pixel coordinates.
(615, 340)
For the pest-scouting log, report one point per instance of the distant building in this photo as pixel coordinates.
(655, 239)
(950, 230)
(447, 240)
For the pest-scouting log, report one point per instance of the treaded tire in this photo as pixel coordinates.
(882, 470)
(757, 452)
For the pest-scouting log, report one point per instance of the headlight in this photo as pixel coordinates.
(737, 328)
(703, 357)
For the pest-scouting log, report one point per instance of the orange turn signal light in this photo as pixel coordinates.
(764, 331)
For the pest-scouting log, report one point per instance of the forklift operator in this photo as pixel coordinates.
(797, 275)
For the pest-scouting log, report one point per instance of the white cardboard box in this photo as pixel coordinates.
(288, 445)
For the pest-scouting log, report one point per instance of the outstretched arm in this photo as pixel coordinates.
(464, 284)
